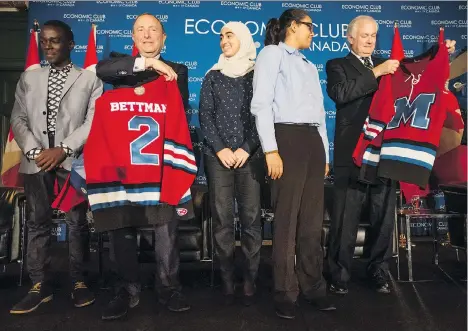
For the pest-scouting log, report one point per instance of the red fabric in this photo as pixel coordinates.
(134, 50)
(397, 52)
(114, 157)
(91, 58)
(452, 166)
(68, 197)
(410, 190)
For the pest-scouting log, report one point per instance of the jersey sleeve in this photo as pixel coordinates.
(179, 166)
(381, 112)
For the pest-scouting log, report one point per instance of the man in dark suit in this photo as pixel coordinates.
(128, 71)
(352, 82)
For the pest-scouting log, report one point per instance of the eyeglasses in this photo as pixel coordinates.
(309, 25)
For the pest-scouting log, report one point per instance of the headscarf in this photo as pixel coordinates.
(243, 61)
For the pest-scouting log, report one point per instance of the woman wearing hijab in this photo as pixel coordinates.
(233, 157)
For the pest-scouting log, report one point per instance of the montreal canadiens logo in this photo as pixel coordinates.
(181, 211)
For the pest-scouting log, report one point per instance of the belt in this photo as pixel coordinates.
(301, 124)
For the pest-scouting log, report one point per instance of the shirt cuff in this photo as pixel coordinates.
(33, 153)
(66, 149)
(139, 64)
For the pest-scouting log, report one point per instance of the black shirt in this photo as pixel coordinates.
(225, 117)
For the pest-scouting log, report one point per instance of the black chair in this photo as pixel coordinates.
(455, 202)
(13, 228)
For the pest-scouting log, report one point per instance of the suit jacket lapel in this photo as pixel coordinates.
(72, 77)
(43, 88)
(356, 63)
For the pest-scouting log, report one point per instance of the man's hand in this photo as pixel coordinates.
(161, 68)
(450, 45)
(50, 158)
(327, 169)
(275, 165)
(227, 157)
(241, 157)
(388, 67)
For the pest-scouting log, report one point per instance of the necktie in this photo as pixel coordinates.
(367, 63)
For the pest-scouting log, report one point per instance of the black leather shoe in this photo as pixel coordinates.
(286, 310)
(323, 304)
(81, 295)
(338, 288)
(175, 301)
(37, 295)
(380, 281)
(118, 306)
(248, 300)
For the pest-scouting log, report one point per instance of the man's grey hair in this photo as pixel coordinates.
(352, 25)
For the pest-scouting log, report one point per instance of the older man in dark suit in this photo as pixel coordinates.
(127, 71)
(351, 83)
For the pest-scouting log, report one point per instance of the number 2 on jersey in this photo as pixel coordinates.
(136, 146)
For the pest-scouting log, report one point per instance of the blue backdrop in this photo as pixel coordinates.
(193, 30)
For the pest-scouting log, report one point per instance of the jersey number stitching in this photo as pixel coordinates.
(138, 157)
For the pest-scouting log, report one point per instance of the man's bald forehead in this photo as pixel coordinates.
(147, 15)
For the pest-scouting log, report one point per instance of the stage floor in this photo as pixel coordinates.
(437, 305)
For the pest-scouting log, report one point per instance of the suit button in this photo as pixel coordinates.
(44, 132)
(44, 113)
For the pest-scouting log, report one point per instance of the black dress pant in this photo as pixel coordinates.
(350, 198)
(39, 191)
(124, 242)
(243, 184)
(297, 199)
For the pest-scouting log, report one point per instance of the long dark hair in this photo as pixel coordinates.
(276, 28)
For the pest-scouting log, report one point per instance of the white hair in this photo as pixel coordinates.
(352, 25)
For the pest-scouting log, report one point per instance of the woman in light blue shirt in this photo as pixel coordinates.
(288, 106)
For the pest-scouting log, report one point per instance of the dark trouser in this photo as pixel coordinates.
(125, 247)
(39, 191)
(297, 199)
(350, 197)
(243, 184)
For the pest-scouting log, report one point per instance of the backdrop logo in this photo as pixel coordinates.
(195, 79)
(304, 6)
(462, 7)
(450, 23)
(331, 145)
(44, 63)
(319, 67)
(463, 36)
(363, 8)
(163, 18)
(92, 18)
(421, 9)
(118, 3)
(244, 5)
(192, 111)
(329, 37)
(390, 23)
(428, 38)
(189, 64)
(323, 82)
(204, 26)
(59, 3)
(386, 52)
(115, 33)
(331, 114)
(181, 4)
(82, 48)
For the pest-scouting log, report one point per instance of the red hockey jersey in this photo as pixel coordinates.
(402, 132)
(139, 150)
